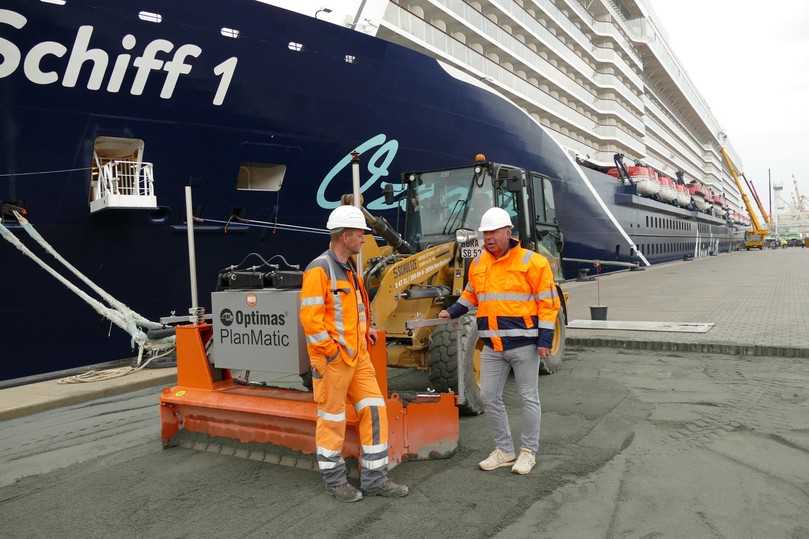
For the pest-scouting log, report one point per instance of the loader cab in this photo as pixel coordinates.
(439, 203)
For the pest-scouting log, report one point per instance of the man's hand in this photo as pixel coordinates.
(372, 335)
(544, 352)
(444, 314)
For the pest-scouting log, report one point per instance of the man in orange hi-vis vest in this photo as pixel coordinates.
(335, 315)
(517, 305)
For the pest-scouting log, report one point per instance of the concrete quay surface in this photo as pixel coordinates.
(759, 302)
(634, 444)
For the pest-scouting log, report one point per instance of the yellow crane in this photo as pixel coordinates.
(754, 237)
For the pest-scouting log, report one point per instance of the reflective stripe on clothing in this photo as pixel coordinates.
(377, 448)
(314, 300)
(331, 417)
(547, 294)
(505, 296)
(547, 325)
(488, 333)
(325, 452)
(374, 464)
(318, 337)
(370, 401)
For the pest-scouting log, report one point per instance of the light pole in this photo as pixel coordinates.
(324, 10)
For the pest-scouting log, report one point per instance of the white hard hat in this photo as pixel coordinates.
(346, 217)
(493, 219)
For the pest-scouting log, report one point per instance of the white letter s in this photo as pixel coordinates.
(10, 53)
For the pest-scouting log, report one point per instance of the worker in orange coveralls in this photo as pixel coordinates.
(335, 315)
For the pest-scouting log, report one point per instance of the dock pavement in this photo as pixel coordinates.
(757, 301)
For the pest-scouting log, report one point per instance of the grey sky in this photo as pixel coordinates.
(750, 60)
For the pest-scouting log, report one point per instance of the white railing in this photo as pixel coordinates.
(124, 184)
(126, 178)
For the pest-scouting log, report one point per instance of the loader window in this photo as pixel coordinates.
(441, 202)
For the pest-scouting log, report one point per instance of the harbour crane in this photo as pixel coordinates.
(800, 200)
(753, 237)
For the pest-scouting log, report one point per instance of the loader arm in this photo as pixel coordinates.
(428, 268)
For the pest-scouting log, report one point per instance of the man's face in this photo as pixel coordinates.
(496, 241)
(353, 238)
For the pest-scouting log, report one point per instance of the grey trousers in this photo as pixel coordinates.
(494, 369)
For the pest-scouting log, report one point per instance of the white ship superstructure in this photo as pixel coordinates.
(598, 74)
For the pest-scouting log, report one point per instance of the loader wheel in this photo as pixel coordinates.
(554, 362)
(443, 357)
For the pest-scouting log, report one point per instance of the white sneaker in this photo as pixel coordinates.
(525, 462)
(497, 459)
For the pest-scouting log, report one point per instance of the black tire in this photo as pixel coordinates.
(558, 349)
(443, 356)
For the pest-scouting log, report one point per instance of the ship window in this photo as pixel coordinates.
(148, 16)
(351, 59)
(260, 177)
(229, 32)
(296, 47)
(647, 221)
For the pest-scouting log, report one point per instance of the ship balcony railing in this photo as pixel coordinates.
(473, 20)
(670, 138)
(677, 128)
(124, 185)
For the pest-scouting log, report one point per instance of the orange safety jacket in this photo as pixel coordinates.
(516, 298)
(334, 311)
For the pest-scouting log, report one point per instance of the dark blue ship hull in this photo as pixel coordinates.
(306, 109)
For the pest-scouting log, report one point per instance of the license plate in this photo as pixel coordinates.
(470, 249)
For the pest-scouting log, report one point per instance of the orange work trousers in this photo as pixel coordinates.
(356, 385)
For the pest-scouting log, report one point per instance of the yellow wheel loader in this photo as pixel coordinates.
(423, 270)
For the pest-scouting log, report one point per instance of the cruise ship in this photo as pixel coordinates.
(111, 107)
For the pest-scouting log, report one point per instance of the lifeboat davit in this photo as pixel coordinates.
(644, 180)
(667, 193)
(683, 196)
(708, 199)
(697, 192)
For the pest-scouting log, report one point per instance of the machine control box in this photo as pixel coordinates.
(258, 330)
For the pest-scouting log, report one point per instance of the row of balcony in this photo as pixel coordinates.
(399, 20)
(495, 24)
(459, 19)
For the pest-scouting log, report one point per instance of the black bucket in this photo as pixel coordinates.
(598, 312)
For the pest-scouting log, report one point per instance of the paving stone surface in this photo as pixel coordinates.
(756, 299)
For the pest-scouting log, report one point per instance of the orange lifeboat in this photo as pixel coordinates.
(645, 181)
(667, 193)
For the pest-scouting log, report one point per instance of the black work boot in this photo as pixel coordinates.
(388, 489)
(345, 493)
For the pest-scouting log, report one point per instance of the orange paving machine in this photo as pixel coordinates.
(210, 409)
(207, 410)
